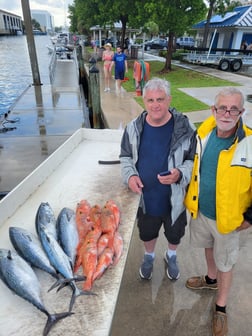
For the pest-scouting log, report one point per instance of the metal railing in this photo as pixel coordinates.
(52, 66)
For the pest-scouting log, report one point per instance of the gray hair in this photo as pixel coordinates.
(157, 84)
(229, 91)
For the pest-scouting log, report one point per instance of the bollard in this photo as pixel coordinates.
(94, 88)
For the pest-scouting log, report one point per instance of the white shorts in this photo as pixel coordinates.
(204, 233)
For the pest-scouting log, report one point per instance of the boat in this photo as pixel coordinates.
(62, 38)
(61, 51)
(38, 32)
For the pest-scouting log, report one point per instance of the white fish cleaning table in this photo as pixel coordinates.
(70, 174)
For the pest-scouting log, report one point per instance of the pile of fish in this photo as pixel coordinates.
(88, 236)
(100, 243)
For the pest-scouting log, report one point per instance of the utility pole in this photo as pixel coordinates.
(31, 42)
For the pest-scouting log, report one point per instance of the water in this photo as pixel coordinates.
(16, 74)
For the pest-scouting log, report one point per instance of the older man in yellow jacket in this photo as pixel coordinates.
(219, 197)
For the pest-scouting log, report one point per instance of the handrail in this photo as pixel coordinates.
(52, 66)
(74, 55)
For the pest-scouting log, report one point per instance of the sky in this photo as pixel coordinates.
(57, 8)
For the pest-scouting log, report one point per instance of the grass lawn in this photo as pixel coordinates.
(179, 78)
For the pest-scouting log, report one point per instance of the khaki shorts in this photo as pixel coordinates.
(203, 233)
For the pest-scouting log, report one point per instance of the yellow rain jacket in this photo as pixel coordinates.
(233, 178)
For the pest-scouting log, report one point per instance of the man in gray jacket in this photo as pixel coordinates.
(157, 151)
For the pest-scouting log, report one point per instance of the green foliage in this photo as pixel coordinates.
(174, 17)
(36, 24)
(151, 27)
(179, 78)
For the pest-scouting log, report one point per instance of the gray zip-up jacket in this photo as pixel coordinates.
(181, 155)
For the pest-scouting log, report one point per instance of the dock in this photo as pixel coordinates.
(41, 120)
(46, 119)
(45, 116)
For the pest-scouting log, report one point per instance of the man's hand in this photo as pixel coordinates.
(173, 177)
(135, 184)
(244, 225)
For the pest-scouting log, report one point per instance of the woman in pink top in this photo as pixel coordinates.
(107, 57)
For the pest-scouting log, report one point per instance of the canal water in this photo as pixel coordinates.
(16, 74)
(39, 123)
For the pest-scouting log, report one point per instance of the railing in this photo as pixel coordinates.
(52, 66)
(74, 56)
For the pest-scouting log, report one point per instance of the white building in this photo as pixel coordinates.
(10, 24)
(44, 18)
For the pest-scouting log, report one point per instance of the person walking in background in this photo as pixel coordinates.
(107, 58)
(219, 197)
(160, 139)
(121, 66)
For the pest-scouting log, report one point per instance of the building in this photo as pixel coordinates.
(44, 18)
(10, 24)
(228, 31)
(111, 32)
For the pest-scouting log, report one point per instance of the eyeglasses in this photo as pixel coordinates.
(222, 110)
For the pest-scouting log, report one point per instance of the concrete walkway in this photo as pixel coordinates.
(119, 109)
(41, 120)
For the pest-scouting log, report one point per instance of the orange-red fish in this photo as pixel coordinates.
(83, 221)
(118, 247)
(112, 205)
(108, 224)
(102, 243)
(108, 221)
(88, 257)
(104, 261)
(95, 215)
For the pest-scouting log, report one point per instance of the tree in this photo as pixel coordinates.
(151, 27)
(174, 17)
(102, 13)
(36, 25)
(118, 10)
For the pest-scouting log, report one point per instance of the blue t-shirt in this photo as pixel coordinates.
(119, 60)
(153, 159)
(208, 170)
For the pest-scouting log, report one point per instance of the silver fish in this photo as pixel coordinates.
(61, 263)
(20, 278)
(45, 216)
(29, 248)
(67, 233)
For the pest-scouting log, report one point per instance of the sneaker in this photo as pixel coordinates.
(199, 282)
(219, 324)
(146, 268)
(172, 267)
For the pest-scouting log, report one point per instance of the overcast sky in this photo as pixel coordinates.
(57, 8)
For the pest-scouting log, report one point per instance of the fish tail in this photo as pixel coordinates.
(77, 292)
(53, 319)
(55, 284)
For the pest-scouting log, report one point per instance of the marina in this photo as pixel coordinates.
(51, 157)
(39, 118)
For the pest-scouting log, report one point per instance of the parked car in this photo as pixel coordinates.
(157, 43)
(185, 41)
(112, 41)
